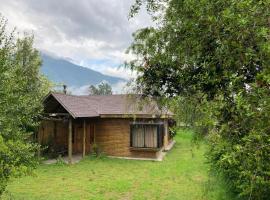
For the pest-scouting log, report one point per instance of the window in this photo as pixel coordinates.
(146, 135)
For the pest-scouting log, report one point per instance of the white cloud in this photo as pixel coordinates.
(119, 88)
(120, 72)
(81, 30)
(83, 90)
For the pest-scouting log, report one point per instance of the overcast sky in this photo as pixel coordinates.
(92, 33)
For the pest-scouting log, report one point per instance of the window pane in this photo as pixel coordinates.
(151, 136)
(138, 136)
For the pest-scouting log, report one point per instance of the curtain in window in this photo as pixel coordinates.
(151, 136)
(145, 136)
(138, 136)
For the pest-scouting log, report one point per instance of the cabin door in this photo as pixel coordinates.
(90, 134)
(77, 137)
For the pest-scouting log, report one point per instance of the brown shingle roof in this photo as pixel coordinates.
(97, 105)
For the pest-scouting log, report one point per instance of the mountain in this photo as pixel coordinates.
(64, 72)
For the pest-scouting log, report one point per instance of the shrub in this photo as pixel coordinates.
(21, 91)
(96, 150)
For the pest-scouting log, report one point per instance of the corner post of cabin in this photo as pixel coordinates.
(39, 143)
(94, 133)
(166, 132)
(84, 134)
(70, 141)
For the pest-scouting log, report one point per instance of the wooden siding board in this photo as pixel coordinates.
(111, 135)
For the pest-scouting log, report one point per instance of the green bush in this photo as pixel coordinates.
(213, 57)
(96, 150)
(241, 148)
(21, 91)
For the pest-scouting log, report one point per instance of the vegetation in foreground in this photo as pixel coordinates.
(182, 175)
(214, 55)
(22, 88)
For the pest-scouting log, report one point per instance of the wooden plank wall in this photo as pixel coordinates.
(113, 137)
(57, 132)
(78, 136)
(53, 130)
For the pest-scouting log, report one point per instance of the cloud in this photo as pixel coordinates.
(120, 72)
(120, 88)
(82, 30)
(83, 90)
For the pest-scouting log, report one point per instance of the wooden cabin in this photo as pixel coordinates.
(118, 125)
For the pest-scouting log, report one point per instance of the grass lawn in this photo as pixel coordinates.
(182, 175)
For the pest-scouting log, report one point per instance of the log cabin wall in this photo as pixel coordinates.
(53, 133)
(56, 133)
(77, 140)
(113, 137)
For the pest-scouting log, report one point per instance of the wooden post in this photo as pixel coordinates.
(39, 141)
(94, 133)
(54, 130)
(84, 134)
(70, 141)
(166, 132)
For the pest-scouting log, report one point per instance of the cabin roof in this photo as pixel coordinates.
(106, 105)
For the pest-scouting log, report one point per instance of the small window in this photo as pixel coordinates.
(146, 135)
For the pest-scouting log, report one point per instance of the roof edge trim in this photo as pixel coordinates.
(61, 103)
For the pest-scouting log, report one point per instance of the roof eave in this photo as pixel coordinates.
(61, 103)
(148, 116)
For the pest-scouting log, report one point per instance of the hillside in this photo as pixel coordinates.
(64, 72)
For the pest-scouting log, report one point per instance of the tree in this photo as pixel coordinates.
(219, 49)
(101, 89)
(93, 90)
(194, 112)
(21, 91)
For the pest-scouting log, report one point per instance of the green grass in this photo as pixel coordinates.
(182, 175)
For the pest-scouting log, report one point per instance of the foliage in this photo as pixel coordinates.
(172, 132)
(194, 112)
(179, 177)
(60, 161)
(49, 149)
(101, 89)
(240, 148)
(96, 150)
(21, 91)
(218, 51)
